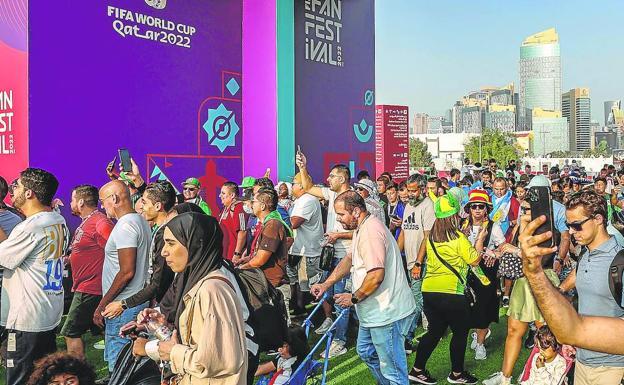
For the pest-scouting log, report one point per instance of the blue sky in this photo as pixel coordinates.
(430, 53)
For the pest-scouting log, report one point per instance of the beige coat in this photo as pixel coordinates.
(213, 351)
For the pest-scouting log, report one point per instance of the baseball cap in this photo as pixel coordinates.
(248, 181)
(192, 182)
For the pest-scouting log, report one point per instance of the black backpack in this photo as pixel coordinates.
(615, 276)
(268, 316)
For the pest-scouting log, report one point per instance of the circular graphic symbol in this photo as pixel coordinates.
(369, 97)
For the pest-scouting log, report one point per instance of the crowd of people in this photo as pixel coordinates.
(159, 272)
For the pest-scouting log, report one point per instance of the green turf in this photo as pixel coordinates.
(349, 369)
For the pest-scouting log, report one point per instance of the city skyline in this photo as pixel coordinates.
(448, 49)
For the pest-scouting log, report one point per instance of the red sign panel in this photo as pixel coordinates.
(392, 140)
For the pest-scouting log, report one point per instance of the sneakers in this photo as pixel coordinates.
(473, 344)
(99, 345)
(505, 301)
(324, 326)
(529, 343)
(480, 352)
(421, 377)
(409, 347)
(462, 378)
(497, 379)
(337, 348)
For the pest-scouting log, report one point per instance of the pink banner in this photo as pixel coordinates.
(392, 141)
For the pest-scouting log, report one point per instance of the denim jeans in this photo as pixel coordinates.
(342, 286)
(382, 349)
(112, 342)
(416, 285)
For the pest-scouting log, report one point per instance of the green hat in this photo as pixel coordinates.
(248, 181)
(445, 206)
(192, 181)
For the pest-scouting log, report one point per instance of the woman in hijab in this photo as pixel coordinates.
(208, 344)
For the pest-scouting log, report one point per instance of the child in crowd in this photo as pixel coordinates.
(547, 367)
(291, 354)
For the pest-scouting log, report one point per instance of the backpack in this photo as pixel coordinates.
(615, 277)
(267, 311)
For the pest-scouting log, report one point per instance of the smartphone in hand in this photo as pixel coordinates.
(541, 204)
(124, 158)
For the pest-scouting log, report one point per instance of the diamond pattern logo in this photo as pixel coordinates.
(221, 127)
(363, 131)
(232, 86)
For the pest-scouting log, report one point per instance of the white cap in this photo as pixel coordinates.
(539, 181)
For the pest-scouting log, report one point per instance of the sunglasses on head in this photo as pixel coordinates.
(477, 206)
(578, 226)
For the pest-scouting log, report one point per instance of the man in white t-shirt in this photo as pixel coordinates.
(382, 298)
(418, 219)
(32, 289)
(336, 234)
(125, 266)
(304, 254)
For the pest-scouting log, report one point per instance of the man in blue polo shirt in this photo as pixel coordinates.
(587, 219)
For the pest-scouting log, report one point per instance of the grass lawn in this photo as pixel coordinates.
(349, 369)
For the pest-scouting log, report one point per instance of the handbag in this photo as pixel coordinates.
(327, 256)
(469, 293)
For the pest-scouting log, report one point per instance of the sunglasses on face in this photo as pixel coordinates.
(189, 189)
(578, 226)
(477, 207)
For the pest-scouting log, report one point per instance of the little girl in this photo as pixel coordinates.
(547, 367)
(293, 351)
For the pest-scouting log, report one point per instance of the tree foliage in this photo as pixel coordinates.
(496, 144)
(418, 154)
(601, 150)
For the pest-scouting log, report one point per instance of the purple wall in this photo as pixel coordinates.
(93, 90)
(334, 84)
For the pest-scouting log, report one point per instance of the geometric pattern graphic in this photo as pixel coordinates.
(221, 127)
(363, 131)
(232, 86)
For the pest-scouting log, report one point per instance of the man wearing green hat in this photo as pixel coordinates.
(191, 187)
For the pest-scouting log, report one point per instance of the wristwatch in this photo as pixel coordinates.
(354, 299)
(124, 305)
(238, 253)
(417, 264)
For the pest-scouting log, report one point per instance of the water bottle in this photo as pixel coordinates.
(162, 332)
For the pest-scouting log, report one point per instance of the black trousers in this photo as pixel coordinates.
(252, 365)
(22, 349)
(444, 311)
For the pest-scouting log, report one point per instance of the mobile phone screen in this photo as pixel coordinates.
(124, 158)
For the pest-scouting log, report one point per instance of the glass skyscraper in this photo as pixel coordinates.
(540, 75)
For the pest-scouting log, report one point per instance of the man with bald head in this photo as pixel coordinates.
(125, 265)
(304, 254)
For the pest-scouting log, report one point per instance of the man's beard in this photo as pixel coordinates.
(351, 225)
(416, 201)
(19, 200)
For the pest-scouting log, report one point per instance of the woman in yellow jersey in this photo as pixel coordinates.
(450, 256)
